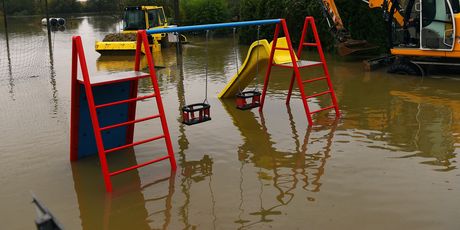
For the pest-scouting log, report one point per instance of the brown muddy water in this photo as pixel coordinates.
(390, 162)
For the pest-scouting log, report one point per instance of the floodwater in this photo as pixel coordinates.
(390, 162)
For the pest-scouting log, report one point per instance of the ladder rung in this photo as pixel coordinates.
(130, 122)
(134, 144)
(138, 166)
(283, 65)
(319, 110)
(300, 64)
(314, 79)
(281, 48)
(305, 63)
(309, 44)
(124, 101)
(318, 94)
(116, 77)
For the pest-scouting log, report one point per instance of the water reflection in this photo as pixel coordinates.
(52, 75)
(281, 169)
(193, 171)
(10, 71)
(407, 115)
(436, 127)
(119, 63)
(132, 205)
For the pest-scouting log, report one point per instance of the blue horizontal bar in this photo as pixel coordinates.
(212, 26)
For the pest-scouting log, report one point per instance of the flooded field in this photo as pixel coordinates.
(390, 162)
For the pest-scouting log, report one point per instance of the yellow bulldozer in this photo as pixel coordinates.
(136, 18)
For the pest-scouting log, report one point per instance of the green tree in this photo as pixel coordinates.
(22, 7)
(362, 22)
(64, 6)
(204, 11)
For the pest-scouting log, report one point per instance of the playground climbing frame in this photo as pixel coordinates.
(103, 111)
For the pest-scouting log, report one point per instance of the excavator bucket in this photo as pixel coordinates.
(352, 46)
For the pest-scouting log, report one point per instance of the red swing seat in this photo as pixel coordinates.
(196, 113)
(248, 99)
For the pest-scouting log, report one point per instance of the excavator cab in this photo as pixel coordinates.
(437, 25)
(429, 31)
(427, 24)
(429, 28)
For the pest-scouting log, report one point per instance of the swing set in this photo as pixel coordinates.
(103, 108)
(200, 112)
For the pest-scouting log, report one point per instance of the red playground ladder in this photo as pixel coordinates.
(298, 64)
(93, 88)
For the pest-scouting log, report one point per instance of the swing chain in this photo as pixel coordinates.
(235, 50)
(206, 68)
(235, 45)
(256, 88)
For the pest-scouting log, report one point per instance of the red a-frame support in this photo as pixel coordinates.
(296, 65)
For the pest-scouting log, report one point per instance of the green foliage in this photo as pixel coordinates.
(204, 11)
(102, 6)
(362, 22)
(234, 9)
(64, 6)
(21, 7)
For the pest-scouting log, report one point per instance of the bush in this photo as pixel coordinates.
(362, 22)
(197, 12)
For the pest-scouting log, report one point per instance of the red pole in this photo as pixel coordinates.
(297, 72)
(156, 89)
(299, 52)
(323, 60)
(269, 67)
(93, 114)
(75, 101)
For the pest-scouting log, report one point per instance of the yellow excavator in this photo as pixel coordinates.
(423, 33)
(136, 18)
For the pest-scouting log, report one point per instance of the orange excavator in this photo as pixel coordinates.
(422, 33)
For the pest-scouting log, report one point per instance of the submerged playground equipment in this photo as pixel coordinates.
(103, 111)
(103, 108)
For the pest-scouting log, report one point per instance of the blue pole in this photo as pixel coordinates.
(212, 26)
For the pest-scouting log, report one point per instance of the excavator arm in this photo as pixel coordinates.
(391, 9)
(334, 21)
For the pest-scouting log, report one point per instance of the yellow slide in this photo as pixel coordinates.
(248, 70)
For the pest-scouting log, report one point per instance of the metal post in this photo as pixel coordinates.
(178, 45)
(8, 54)
(177, 22)
(48, 28)
(4, 18)
(176, 12)
(6, 25)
